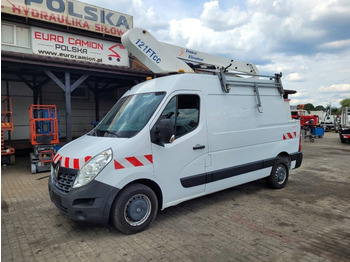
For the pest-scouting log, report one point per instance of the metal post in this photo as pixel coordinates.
(67, 88)
(97, 102)
(68, 107)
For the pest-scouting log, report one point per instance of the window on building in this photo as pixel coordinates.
(7, 34)
(15, 35)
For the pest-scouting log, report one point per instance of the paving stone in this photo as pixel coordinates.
(309, 220)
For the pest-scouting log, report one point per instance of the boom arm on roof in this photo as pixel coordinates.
(165, 58)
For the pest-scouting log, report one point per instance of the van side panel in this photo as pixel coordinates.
(240, 135)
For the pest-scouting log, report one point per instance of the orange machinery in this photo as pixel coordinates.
(7, 153)
(310, 120)
(309, 123)
(44, 136)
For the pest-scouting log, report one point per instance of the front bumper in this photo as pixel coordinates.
(90, 203)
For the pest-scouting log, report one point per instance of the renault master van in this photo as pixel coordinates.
(172, 139)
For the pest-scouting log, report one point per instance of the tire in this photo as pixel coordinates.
(33, 168)
(279, 174)
(134, 209)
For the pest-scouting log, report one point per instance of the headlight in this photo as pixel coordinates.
(91, 169)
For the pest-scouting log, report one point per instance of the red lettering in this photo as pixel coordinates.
(78, 23)
(25, 10)
(112, 30)
(97, 28)
(106, 30)
(35, 13)
(37, 35)
(67, 21)
(86, 25)
(16, 9)
(43, 15)
(60, 19)
(52, 17)
(48, 37)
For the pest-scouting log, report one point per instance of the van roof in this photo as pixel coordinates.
(208, 83)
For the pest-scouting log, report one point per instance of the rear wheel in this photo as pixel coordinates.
(279, 174)
(134, 209)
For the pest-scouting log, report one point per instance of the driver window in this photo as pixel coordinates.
(183, 111)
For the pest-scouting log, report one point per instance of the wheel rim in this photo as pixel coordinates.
(281, 174)
(137, 210)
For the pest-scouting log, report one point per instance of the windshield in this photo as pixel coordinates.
(129, 115)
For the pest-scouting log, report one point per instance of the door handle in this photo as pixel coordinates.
(196, 147)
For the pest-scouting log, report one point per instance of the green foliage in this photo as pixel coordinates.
(345, 102)
(309, 107)
(334, 111)
(320, 108)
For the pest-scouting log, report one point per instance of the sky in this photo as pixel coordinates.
(308, 41)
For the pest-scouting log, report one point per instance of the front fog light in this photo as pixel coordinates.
(91, 169)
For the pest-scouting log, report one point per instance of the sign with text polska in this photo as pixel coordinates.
(62, 45)
(71, 13)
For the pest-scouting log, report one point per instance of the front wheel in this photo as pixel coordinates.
(134, 209)
(279, 174)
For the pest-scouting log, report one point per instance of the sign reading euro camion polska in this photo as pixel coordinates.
(64, 45)
(71, 13)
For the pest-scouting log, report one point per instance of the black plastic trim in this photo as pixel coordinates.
(90, 203)
(298, 157)
(205, 178)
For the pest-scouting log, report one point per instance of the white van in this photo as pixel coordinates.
(344, 131)
(172, 139)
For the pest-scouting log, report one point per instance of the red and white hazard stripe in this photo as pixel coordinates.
(69, 162)
(289, 135)
(120, 163)
(133, 161)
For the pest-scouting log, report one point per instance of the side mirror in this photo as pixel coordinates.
(163, 132)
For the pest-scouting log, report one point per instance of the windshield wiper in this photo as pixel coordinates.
(99, 131)
(111, 133)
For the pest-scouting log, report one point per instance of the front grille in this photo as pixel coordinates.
(64, 180)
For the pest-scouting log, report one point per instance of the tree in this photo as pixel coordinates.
(320, 108)
(334, 111)
(345, 102)
(309, 107)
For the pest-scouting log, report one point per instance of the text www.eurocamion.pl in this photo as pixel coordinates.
(71, 56)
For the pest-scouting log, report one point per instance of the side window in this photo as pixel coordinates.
(183, 110)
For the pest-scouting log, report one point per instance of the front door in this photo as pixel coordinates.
(186, 156)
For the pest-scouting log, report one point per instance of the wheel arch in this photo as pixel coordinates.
(284, 155)
(151, 184)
